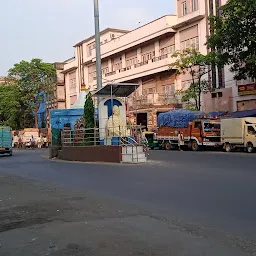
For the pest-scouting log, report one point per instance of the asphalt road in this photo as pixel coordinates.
(204, 193)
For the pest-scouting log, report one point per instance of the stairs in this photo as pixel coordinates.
(133, 154)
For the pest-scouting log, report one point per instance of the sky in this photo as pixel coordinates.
(48, 29)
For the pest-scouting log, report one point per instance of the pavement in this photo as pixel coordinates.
(179, 203)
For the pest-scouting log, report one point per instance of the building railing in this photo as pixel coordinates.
(137, 65)
(154, 99)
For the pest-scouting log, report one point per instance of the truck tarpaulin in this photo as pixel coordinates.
(178, 118)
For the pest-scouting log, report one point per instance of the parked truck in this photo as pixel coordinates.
(197, 133)
(238, 133)
(5, 140)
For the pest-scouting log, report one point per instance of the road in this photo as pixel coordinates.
(204, 200)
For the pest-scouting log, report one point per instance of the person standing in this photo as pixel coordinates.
(39, 142)
(45, 142)
(180, 141)
(32, 142)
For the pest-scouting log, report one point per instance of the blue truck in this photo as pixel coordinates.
(5, 140)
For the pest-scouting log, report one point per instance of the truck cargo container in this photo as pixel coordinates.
(238, 133)
(5, 140)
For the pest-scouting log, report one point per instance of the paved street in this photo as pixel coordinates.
(180, 203)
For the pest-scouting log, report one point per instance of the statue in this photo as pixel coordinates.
(116, 126)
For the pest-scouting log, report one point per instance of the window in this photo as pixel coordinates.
(190, 43)
(198, 125)
(172, 89)
(169, 89)
(220, 94)
(214, 95)
(166, 89)
(251, 130)
(167, 50)
(194, 5)
(184, 8)
(148, 56)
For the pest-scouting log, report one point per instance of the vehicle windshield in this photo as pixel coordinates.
(211, 126)
(252, 130)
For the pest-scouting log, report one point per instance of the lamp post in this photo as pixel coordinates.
(97, 41)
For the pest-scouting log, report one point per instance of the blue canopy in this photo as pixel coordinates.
(245, 113)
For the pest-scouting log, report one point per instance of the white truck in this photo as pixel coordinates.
(238, 133)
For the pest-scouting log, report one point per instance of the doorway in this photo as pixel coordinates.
(142, 119)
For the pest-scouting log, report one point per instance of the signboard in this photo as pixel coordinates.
(247, 89)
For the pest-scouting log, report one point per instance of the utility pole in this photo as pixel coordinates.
(97, 41)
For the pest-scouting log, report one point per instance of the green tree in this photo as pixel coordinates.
(89, 118)
(10, 106)
(234, 37)
(196, 65)
(32, 78)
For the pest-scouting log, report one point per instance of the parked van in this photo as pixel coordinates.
(239, 133)
(5, 140)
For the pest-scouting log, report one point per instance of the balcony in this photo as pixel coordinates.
(153, 100)
(153, 66)
(136, 37)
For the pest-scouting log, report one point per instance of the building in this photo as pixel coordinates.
(144, 55)
(58, 100)
(4, 80)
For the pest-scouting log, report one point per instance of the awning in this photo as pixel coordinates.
(244, 113)
(117, 90)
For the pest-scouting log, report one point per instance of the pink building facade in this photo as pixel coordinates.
(144, 55)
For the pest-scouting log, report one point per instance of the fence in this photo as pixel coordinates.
(91, 137)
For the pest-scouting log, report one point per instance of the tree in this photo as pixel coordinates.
(89, 117)
(10, 106)
(196, 65)
(32, 78)
(234, 37)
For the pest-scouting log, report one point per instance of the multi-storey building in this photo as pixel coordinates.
(144, 55)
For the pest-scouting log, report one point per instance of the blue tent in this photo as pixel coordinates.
(245, 113)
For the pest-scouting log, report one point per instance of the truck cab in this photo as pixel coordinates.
(250, 137)
(204, 132)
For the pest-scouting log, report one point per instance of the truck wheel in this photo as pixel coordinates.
(194, 146)
(228, 147)
(249, 148)
(167, 146)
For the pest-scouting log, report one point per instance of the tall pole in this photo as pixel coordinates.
(97, 41)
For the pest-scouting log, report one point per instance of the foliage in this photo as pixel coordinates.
(196, 65)
(234, 37)
(89, 111)
(32, 78)
(10, 106)
(89, 119)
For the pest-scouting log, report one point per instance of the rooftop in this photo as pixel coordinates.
(102, 33)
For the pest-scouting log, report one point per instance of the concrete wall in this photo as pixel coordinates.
(111, 154)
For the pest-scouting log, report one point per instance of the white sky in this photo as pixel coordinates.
(48, 29)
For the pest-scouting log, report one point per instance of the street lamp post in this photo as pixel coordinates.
(97, 41)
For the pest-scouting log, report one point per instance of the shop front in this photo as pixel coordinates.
(247, 97)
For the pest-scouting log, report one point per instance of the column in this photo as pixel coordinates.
(139, 55)
(157, 48)
(109, 65)
(123, 61)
